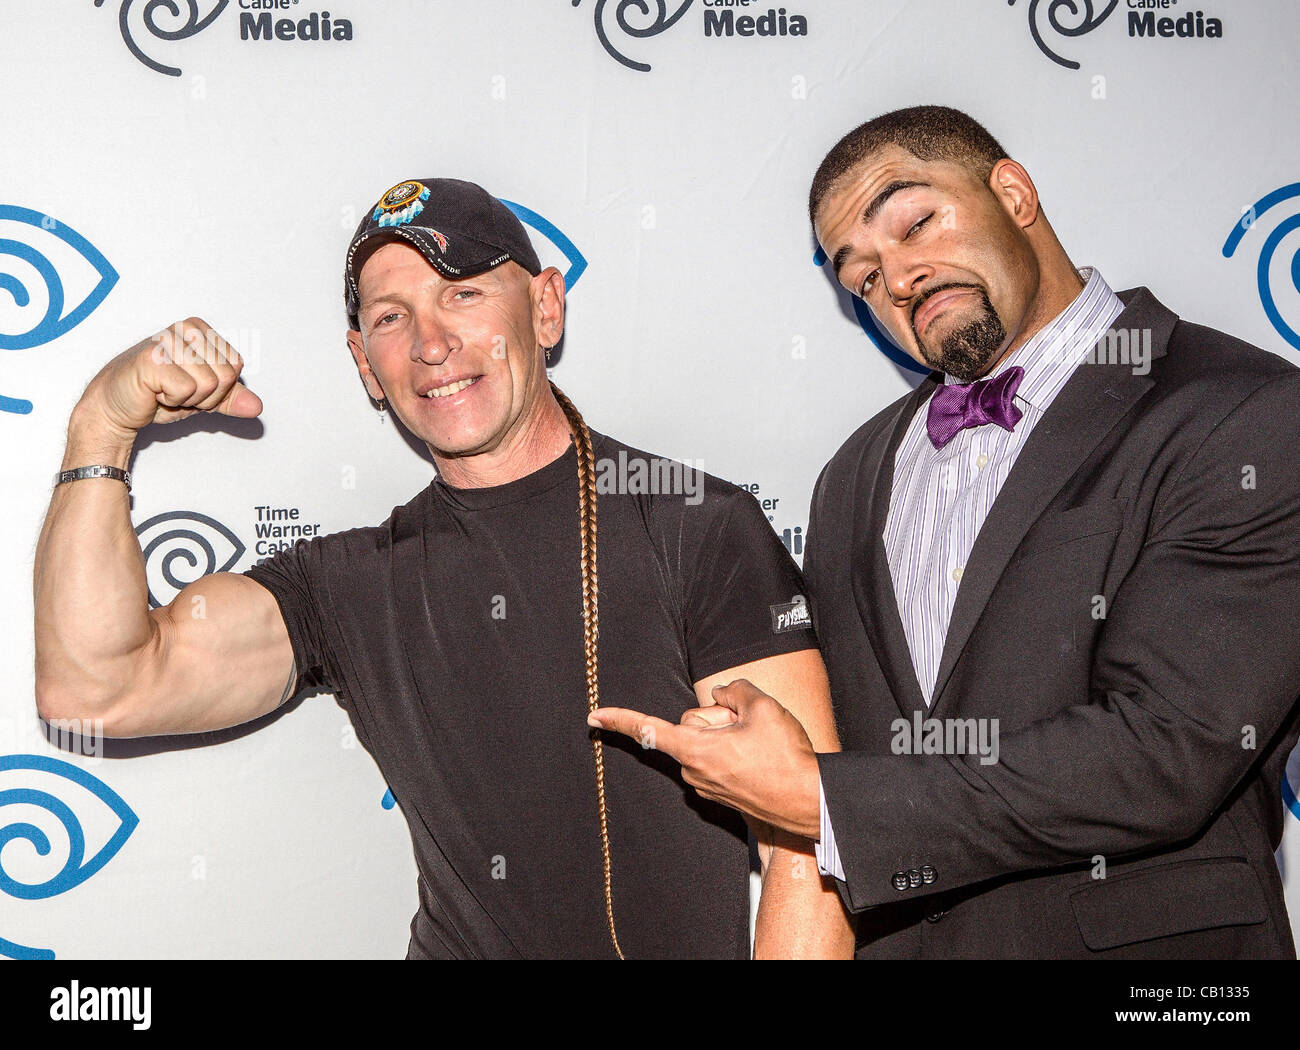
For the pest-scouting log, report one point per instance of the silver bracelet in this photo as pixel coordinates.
(97, 471)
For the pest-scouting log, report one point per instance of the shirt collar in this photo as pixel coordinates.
(1050, 356)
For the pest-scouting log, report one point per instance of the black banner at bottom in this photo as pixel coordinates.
(340, 999)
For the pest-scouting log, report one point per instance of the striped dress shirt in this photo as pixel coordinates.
(941, 497)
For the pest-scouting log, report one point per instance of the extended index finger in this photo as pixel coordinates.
(647, 730)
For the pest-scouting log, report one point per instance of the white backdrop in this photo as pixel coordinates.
(189, 168)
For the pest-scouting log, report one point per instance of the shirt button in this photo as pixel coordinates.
(981, 461)
(956, 574)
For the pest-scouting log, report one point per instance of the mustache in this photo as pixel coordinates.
(931, 292)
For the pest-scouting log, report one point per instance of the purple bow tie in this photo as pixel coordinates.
(956, 406)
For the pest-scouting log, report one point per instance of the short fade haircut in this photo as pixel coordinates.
(926, 132)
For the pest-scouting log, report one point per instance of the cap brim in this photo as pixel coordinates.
(465, 256)
(469, 257)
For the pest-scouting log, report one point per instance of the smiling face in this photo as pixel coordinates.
(942, 259)
(459, 361)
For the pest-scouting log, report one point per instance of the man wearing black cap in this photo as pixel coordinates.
(470, 633)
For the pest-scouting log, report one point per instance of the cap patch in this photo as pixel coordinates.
(401, 204)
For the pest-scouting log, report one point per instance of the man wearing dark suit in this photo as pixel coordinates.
(1057, 587)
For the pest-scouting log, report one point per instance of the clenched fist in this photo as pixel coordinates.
(175, 373)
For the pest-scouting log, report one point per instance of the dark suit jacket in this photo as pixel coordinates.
(1130, 616)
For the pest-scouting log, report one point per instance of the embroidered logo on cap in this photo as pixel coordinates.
(401, 204)
(792, 616)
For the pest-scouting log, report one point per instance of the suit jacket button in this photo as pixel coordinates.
(900, 880)
(914, 878)
(935, 916)
(928, 874)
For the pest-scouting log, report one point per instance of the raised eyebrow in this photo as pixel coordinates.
(871, 211)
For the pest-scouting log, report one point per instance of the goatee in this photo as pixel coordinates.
(967, 351)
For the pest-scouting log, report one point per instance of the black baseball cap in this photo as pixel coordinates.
(459, 227)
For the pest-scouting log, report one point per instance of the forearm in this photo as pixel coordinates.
(90, 590)
(800, 915)
(1140, 775)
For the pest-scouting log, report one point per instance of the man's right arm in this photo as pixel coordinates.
(219, 654)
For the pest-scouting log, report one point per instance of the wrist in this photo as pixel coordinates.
(803, 816)
(92, 439)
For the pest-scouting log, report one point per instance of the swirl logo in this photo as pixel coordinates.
(874, 332)
(1267, 274)
(147, 20)
(1088, 20)
(32, 260)
(576, 263)
(202, 543)
(661, 22)
(44, 787)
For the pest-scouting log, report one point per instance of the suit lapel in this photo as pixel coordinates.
(1088, 407)
(873, 585)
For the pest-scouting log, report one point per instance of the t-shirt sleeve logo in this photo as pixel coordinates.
(792, 616)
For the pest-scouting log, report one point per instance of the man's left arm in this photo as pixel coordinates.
(800, 915)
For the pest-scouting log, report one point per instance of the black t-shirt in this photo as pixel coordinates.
(452, 635)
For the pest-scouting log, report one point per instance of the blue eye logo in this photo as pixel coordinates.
(577, 264)
(51, 774)
(1265, 269)
(149, 19)
(33, 261)
(1081, 9)
(201, 542)
(874, 332)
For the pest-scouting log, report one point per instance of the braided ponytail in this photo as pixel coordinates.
(591, 623)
